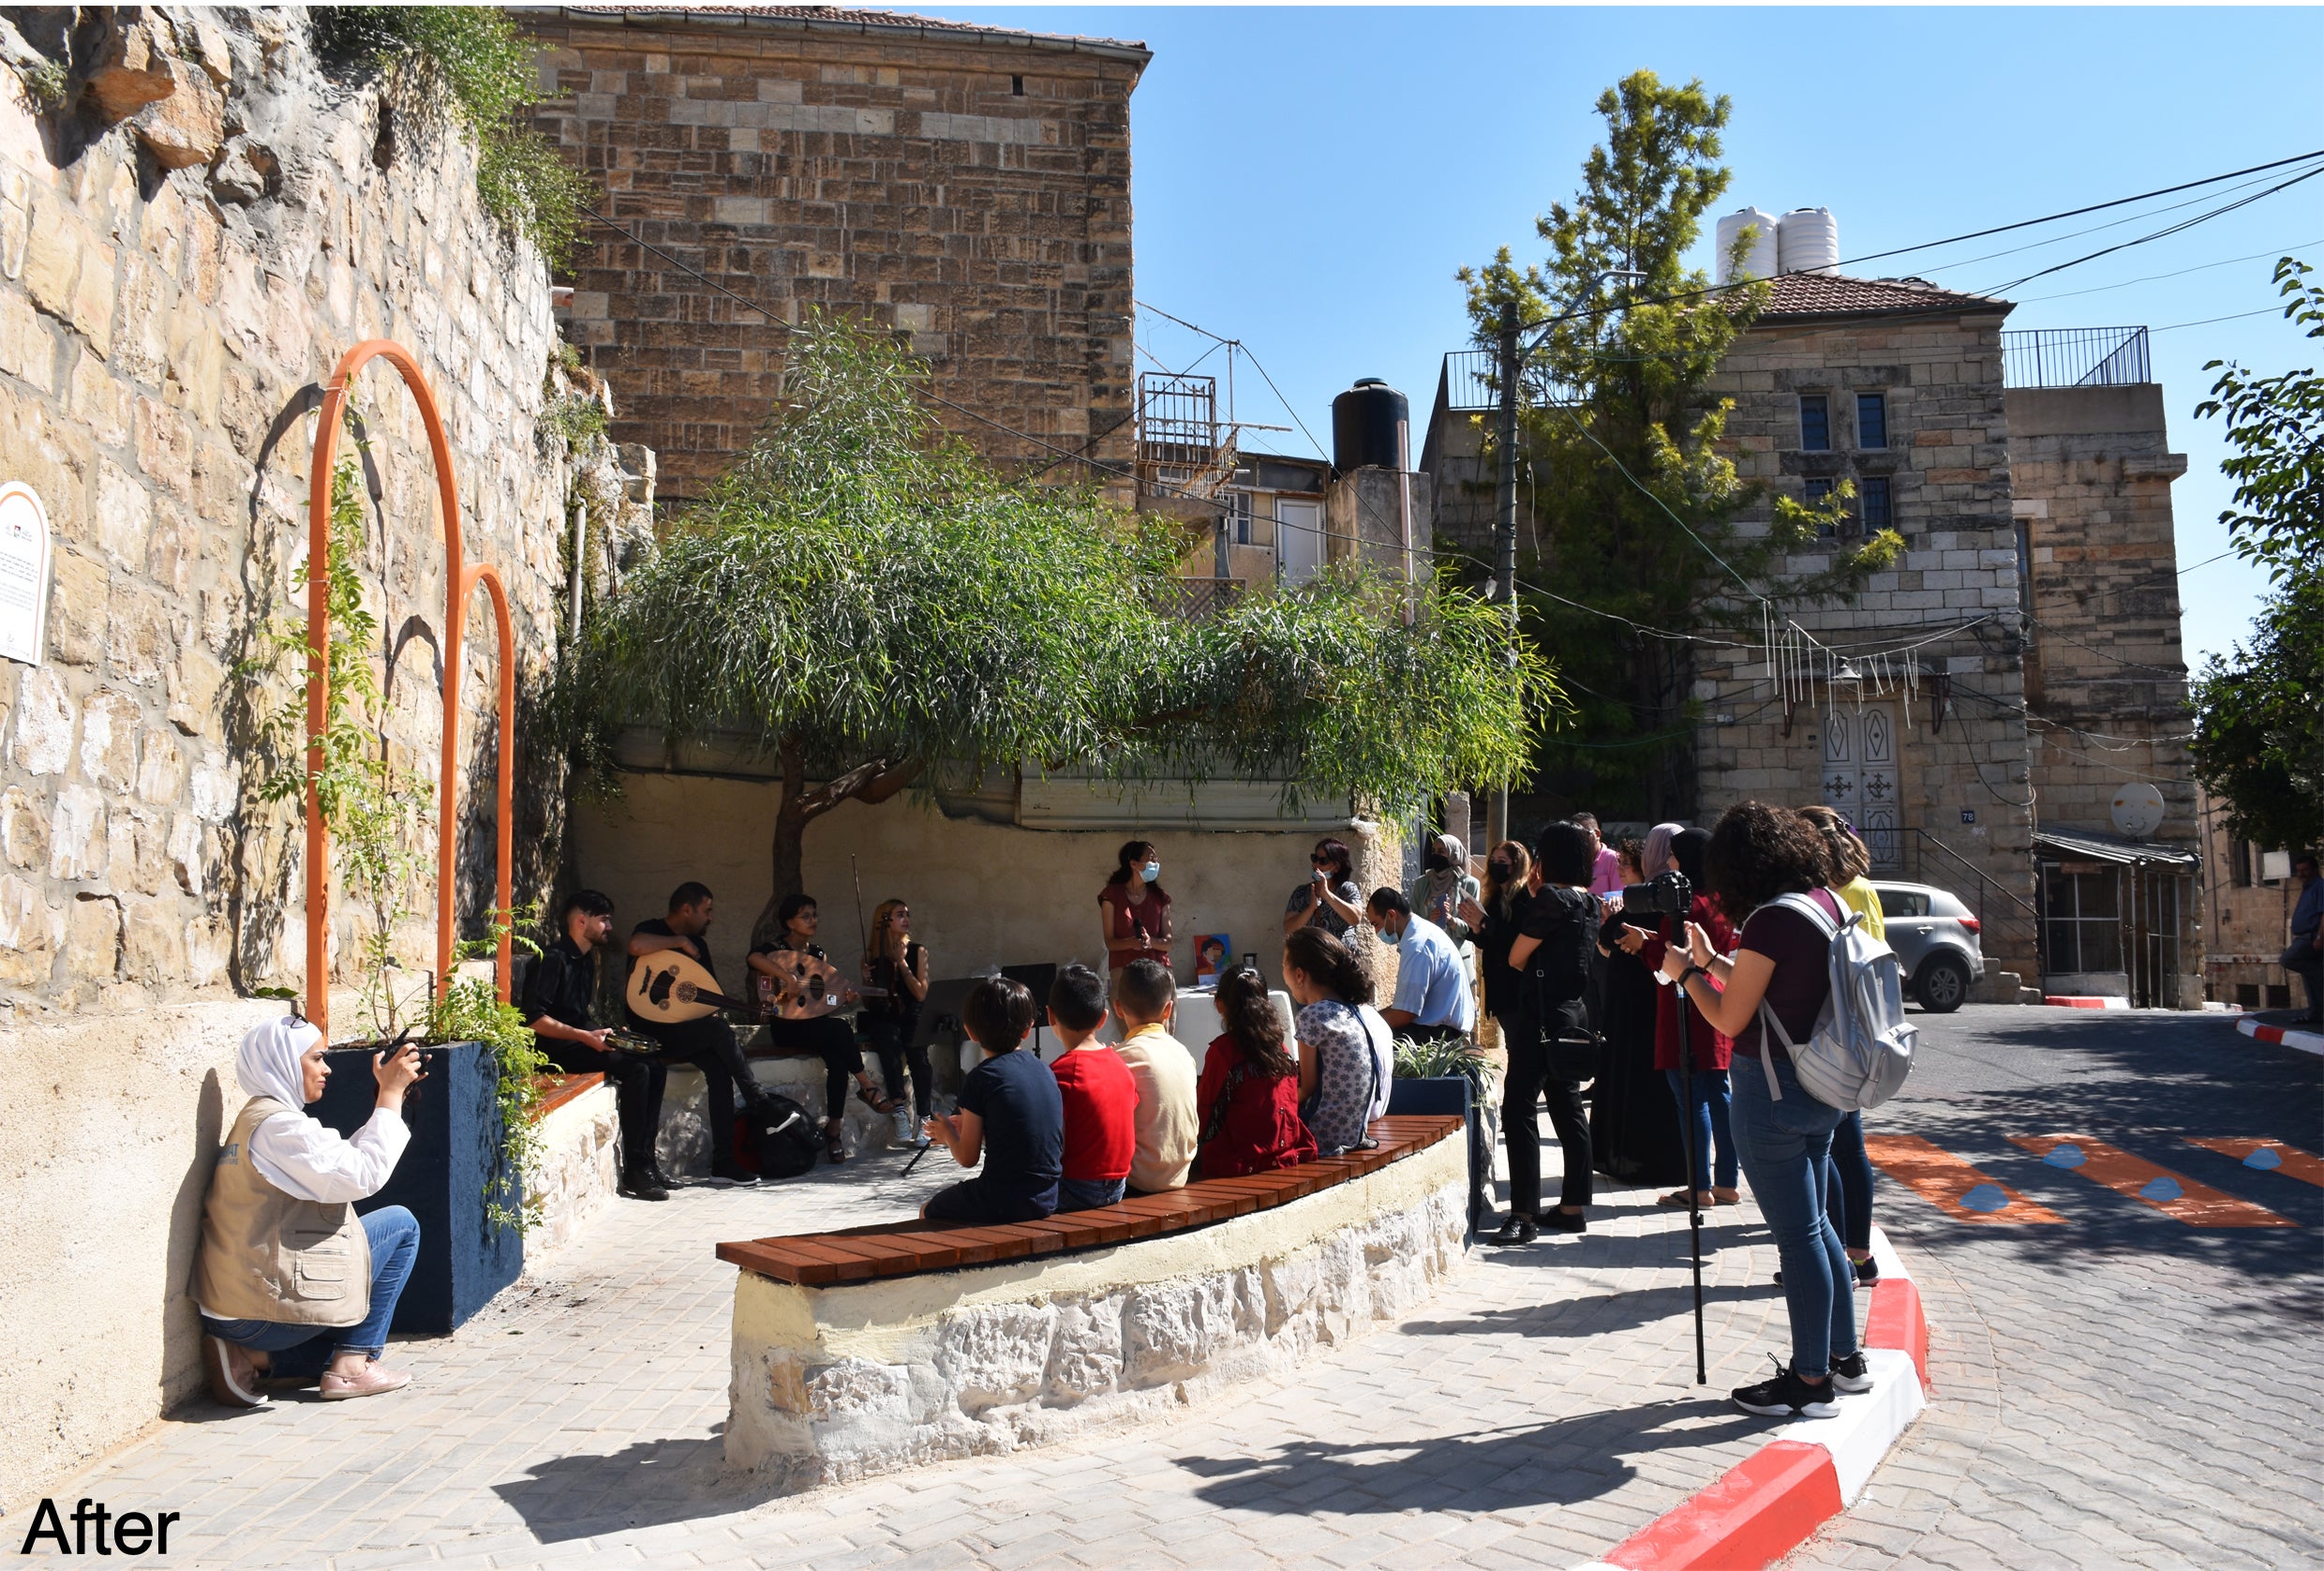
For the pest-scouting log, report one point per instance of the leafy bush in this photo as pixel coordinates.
(1439, 1061)
(470, 66)
(470, 1011)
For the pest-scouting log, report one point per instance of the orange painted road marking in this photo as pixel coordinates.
(2174, 1194)
(1950, 1184)
(2290, 1161)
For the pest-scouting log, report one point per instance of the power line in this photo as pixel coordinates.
(2154, 277)
(2163, 233)
(2239, 316)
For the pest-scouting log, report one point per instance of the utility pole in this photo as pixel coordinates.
(1505, 527)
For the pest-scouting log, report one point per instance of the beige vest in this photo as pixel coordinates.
(269, 1255)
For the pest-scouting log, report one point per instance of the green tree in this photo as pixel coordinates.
(1626, 504)
(874, 608)
(2258, 725)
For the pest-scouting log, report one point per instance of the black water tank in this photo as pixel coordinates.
(1368, 423)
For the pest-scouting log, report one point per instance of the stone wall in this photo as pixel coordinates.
(838, 1383)
(968, 186)
(175, 282)
(573, 1177)
(1958, 727)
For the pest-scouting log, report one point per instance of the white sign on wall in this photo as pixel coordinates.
(24, 573)
(2137, 810)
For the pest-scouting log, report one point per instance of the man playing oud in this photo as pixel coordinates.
(707, 1043)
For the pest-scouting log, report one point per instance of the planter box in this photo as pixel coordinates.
(444, 1178)
(1452, 1094)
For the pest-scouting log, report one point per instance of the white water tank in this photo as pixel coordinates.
(1759, 260)
(1808, 241)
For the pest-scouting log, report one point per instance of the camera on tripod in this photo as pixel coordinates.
(1667, 893)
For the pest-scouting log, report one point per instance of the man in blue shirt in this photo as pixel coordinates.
(2306, 954)
(1433, 1001)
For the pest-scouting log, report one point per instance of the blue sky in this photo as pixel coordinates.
(1308, 178)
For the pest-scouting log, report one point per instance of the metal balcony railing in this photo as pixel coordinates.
(1471, 383)
(1198, 599)
(2076, 357)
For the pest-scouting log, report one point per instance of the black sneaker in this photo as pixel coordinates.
(643, 1186)
(1518, 1230)
(1564, 1222)
(734, 1172)
(1868, 1271)
(1853, 1375)
(1787, 1396)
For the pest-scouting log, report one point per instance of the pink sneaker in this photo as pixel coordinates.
(374, 1379)
(232, 1386)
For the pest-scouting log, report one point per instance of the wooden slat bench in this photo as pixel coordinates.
(909, 1249)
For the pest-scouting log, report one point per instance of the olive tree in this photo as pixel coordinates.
(870, 607)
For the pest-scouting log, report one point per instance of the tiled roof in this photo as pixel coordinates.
(1830, 294)
(852, 18)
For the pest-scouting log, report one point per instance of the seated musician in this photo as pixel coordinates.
(708, 1043)
(823, 1035)
(558, 1005)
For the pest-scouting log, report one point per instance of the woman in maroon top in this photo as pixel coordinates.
(1248, 1097)
(1711, 1131)
(1135, 910)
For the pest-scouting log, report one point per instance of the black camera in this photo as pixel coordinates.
(1667, 893)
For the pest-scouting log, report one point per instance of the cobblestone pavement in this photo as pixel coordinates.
(1539, 1409)
(2120, 1390)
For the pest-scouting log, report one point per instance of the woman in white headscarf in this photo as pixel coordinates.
(290, 1283)
(1444, 883)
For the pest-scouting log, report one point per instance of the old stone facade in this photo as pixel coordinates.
(968, 186)
(2248, 894)
(190, 237)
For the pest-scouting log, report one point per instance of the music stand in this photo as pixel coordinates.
(1037, 980)
(940, 1016)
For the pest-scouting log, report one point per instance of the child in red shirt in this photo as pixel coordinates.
(1249, 1094)
(1101, 1096)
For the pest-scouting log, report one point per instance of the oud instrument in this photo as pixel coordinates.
(670, 986)
(806, 988)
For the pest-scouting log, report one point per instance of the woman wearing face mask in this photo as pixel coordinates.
(1134, 909)
(1444, 886)
(290, 1282)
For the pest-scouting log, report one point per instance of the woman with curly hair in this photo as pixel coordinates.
(1757, 854)
(1851, 1197)
(1248, 1096)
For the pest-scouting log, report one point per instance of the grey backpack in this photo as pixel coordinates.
(1861, 1048)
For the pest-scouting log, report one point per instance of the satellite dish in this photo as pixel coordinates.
(2138, 811)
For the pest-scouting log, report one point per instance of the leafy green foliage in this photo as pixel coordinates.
(469, 1011)
(1626, 504)
(877, 607)
(46, 83)
(375, 813)
(2276, 426)
(1439, 1060)
(470, 67)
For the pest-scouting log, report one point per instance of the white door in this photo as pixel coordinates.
(1299, 539)
(1860, 777)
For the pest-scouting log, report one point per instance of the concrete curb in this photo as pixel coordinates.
(1810, 1470)
(2071, 1002)
(2303, 1041)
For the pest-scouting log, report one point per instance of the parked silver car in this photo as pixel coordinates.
(1935, 935)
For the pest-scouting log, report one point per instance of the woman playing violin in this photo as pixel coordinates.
(775, 969)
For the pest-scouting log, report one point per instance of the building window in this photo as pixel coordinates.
(1818, 495)
(2025, 565)
(1017, 86)
(2240, 863)
(2081, 919)
(1872, 420)
(1239, 517)
(1815, 423)
(1873, 505)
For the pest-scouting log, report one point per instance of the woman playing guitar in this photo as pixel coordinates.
(789, 973)
(897, 962)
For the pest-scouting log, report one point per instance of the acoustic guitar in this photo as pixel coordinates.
(670, 986)
(805, 988)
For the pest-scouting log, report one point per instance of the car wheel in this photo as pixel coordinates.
(1943, 984)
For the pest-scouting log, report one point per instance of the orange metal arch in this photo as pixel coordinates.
(460, 582)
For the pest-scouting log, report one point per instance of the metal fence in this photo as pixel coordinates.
(1198, 599)
(2076, 357)
(1471, 382)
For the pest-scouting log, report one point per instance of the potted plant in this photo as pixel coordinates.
(1451, 1077)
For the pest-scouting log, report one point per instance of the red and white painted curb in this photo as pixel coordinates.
(2080, 1001)
(1774, 1499)
(2304, 1041)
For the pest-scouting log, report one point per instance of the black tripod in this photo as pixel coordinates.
(1685, 1155)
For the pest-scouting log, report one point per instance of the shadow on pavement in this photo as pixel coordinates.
(645, 1483)
(1560, 1462)
(1591, 1316)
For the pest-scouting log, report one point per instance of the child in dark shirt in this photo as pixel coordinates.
(1010, 1115)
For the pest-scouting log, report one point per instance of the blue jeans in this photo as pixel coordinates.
(1786, 1148)
(301, 1351)
(1088, 1194)
(1712, 1129)
(1848, 1193)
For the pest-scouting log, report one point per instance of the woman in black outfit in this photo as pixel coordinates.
(897, 963)
(826, 1037)
(1550, 1046)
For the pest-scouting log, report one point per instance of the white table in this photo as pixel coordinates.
(1195, 1023)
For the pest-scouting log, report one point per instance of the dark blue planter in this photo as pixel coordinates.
(1450, 1094)
(444, 1178)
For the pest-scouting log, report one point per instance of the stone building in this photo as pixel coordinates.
(2248, 896)
(968, 184)
(1978, 707)
(190, 237)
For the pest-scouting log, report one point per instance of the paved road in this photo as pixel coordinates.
(2118, 1387)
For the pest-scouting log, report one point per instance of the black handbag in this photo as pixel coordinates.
(1558, 971)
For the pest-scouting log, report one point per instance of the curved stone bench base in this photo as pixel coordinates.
(842, 1382)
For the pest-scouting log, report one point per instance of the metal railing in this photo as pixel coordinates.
(1995, 906)
(2076, 357)
(1198, 599)
(1471, 382)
